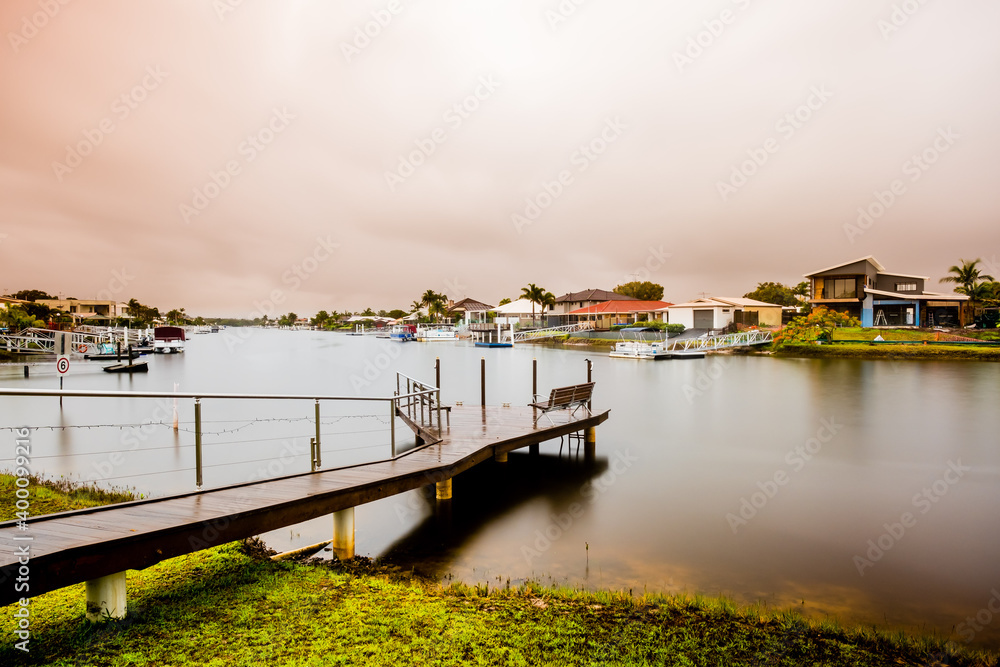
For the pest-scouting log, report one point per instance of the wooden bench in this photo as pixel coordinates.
(571, 398)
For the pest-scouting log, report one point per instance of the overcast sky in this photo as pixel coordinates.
(215, 155)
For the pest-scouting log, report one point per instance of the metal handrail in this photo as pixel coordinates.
(424, 393)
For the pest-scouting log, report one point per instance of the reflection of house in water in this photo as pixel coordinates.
(864, 289)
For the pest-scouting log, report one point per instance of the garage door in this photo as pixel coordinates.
(704, 319)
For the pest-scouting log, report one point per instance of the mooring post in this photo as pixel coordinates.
(442, 490)
(343, 533)
(437, 372)
(318, 460)
(500, 457)
(197, 443)
(26, 370)
(106, 597)
(482, 381)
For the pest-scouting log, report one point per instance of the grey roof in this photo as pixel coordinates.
(593, 295)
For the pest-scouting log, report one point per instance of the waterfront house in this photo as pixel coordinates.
(558, 313)
(718, 312)
(518, 313)
(865, 289)
(470, 312)
(97, 312)
(622, 311)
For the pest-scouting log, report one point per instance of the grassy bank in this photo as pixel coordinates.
(232, 605)
(224, 607)
(883, 351)
(51, 496)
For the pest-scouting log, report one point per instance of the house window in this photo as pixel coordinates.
(841, 288)
(906, 287)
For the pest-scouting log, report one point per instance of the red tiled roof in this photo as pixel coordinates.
(615, 307)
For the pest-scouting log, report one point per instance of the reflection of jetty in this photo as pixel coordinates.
(98, 545)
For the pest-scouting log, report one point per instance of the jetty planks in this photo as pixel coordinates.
(71, 547)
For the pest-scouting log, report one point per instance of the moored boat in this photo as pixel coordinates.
(436, 333)
(168, 340)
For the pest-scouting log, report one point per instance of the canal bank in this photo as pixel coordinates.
(236, 605)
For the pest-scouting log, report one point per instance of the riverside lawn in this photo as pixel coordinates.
(231, 606)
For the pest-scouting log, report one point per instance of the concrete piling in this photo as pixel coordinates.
(343, 533)
(106, 597)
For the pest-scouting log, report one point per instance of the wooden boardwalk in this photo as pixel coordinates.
(72, 547)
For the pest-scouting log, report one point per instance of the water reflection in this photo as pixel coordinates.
(489, 493)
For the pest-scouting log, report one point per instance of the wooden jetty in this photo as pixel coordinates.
(98, 545)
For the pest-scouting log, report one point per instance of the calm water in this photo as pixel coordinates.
(760, 478)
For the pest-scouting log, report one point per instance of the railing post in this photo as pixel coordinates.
(439, 410)
(197, 443)
(590, 377)
(392, 425)
(318, 457)
(409, 399)
(482, 381)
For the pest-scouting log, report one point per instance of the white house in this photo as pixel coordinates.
(518, 312)
(718, 312)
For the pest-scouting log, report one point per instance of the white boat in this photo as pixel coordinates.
(443, 332)
(168, 340)
(640, 349)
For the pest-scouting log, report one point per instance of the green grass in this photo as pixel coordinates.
(222, 607)
(62, 495)
(857, 333)
(883, 351)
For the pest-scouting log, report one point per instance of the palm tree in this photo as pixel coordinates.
(536, 294)
(436, 303)
(969, 280)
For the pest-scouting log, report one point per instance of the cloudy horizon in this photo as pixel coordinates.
(212, 156)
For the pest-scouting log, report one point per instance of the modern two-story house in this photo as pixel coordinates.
(865, 289)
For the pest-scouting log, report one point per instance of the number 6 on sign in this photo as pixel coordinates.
(62, 365)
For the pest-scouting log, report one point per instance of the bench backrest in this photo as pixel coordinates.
(576, 393)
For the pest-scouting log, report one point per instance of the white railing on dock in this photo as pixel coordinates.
(707, 343)
(547, 332)
(418, 394)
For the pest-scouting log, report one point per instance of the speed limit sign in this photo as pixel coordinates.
(62, 365)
